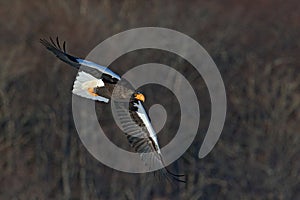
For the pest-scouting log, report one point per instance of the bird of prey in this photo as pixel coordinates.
(99, 83)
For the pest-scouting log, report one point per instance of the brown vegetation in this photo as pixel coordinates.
(255, 44)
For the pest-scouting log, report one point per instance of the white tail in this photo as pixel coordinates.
(85, 84)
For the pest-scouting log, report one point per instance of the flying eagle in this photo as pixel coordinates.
(99, 83)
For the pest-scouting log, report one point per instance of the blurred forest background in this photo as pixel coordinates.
(256, 46)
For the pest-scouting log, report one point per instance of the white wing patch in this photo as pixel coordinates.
(84, 83)
(143, 115)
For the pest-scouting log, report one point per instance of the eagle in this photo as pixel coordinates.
(99, 83)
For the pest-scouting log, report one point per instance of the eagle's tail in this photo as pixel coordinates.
(85, 86)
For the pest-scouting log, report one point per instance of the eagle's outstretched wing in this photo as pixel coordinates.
(93, 81)
(59, 52)
(92, 68)
(137, 127)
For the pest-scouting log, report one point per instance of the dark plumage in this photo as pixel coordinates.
(99, 83)
(60, 53)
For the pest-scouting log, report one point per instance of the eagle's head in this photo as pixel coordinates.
(137, 96)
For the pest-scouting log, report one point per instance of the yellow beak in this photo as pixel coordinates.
(140, 97)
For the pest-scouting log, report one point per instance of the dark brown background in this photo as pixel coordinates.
(255, 44)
